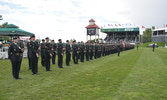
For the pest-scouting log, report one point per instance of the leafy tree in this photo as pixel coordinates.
(4, 25)
(147, 36)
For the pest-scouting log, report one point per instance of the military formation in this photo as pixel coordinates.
(50, 51)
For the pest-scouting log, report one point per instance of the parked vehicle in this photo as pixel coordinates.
(151, 45)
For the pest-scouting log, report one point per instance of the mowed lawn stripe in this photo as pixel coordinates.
(147, 80)
(97, 79)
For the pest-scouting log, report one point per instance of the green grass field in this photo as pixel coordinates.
(135, 75)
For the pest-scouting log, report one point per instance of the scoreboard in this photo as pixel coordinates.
(91, 31)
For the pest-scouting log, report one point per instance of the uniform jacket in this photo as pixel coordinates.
(14, 52)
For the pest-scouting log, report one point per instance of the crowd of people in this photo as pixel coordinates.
(116, 38)
(49, 50)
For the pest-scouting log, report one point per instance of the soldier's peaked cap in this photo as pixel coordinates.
(74, 41)
(47, 38)
(33, 36)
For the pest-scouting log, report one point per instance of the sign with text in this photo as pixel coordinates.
(119, 29)
(91, 31)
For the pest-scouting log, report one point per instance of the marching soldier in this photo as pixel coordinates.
(34, 55)
(48, 54)
(68, 53)
(54, 48)
(60, 51)
(42, 47)
(15, 57)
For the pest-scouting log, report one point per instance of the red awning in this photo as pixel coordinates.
(92, 26)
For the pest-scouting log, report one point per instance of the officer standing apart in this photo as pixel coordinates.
(34, 55)
(68, 53)
(137, 46)
(42, 47)
(60, 50)
(48, 54)
(153, 47)
(15, 58)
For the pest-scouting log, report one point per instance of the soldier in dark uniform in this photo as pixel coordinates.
(79, 47)
(103, 49)
(91, 50)
(60, 51)
(28, 54)
(15, 58)
(54, 51)
(99, 50)
(153, 47)
(96, 50)
(34, 55)
(68, 53)
(118, 49)
(48, 54)
(82, 49)
(137, 46)
(75, 52)
(21, 45)
(42, 47)
(87, 51)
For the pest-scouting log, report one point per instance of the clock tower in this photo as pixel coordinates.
(92, 29)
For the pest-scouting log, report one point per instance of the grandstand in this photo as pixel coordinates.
(159, 35)
(129, 33)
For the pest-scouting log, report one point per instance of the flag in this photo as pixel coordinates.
(143, 26)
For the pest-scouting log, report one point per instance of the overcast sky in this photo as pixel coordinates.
(67, 19)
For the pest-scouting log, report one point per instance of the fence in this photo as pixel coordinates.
(4, 52)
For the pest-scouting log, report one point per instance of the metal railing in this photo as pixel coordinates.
(4, 52)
